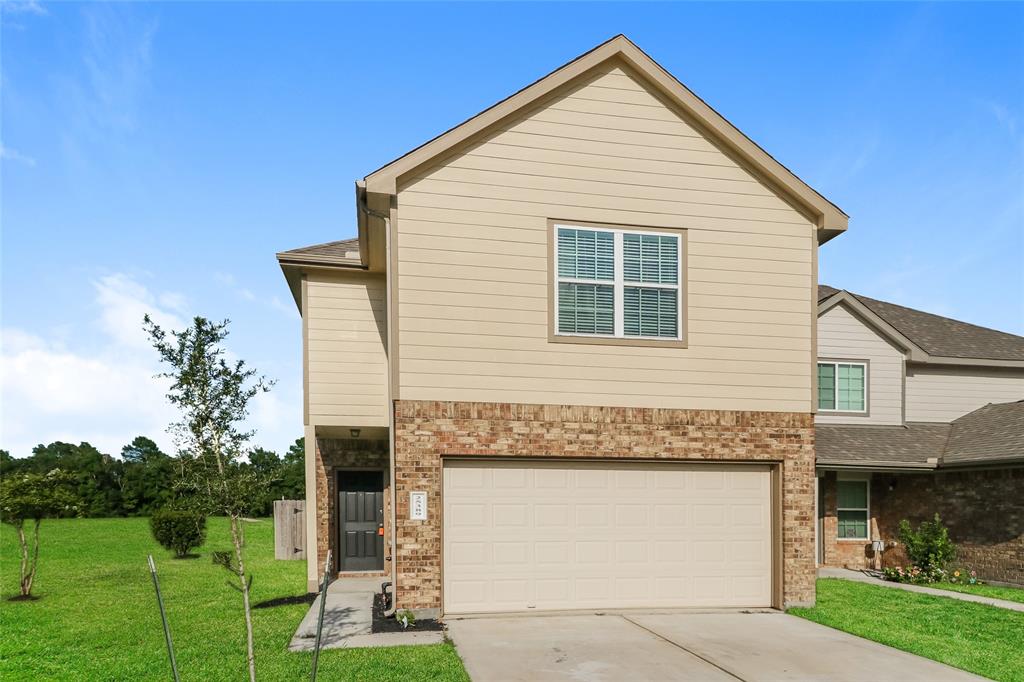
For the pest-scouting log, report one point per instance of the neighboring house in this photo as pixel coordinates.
(569, 362)
(918, 414)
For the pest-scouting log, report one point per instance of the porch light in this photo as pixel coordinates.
(354, 433)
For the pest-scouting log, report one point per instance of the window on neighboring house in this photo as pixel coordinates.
(617, 283)
(842, 386)
(852, 508)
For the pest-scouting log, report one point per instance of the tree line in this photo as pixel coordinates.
(143, 479)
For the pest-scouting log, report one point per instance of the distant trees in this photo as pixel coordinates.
(142, 479)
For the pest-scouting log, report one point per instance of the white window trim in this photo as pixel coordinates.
(619, 284)
(835, 386)
(854, 478)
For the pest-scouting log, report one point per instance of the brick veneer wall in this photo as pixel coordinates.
(333, 454)
(984, 511)
(426, 431)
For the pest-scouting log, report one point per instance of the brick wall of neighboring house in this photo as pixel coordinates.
(426, 431)
(333, 454)
(983, 509)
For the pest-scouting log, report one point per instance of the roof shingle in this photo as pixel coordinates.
(991, 434)
(941, 336)
(344, 249)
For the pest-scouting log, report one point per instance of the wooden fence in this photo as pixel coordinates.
(290, 529)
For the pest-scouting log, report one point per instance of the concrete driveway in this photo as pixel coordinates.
(725, 646)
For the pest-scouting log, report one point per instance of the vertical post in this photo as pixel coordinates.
(163, 617)
(320, 618)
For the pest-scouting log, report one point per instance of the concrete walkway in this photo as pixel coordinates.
(765, 646)
(857, 576)
(348, 619)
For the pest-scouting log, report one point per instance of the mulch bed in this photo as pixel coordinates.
(382, 624)
(286, 601)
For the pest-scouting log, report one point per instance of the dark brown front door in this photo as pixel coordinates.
(361, 505)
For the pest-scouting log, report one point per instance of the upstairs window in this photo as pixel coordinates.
(842, 386)
(616, 283)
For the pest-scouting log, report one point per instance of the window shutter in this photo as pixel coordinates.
(586, 308)
(586, 254)
(650, 312)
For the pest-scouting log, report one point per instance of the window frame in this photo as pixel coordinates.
(866, 364)
(618, 285)
(866, 480)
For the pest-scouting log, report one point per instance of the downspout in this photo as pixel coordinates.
(361, 204)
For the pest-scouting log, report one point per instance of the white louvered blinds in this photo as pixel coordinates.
(617, 283)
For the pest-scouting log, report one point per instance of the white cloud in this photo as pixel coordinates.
(51, 391)
(14, 155)
(24, 7)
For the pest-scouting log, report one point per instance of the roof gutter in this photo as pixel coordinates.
(839, 465)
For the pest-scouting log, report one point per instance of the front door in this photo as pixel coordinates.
(361, 505)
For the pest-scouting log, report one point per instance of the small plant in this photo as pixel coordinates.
(406, 617)
(961, 576)
(34, 497)
(178, 530)
(914, 574)
(929, 546)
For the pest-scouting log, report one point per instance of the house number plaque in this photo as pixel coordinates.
(418, 505)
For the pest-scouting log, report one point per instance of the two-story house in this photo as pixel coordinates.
(918, 414)
(569, 362)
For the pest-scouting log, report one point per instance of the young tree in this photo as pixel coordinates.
(213, 396)
(33, 497)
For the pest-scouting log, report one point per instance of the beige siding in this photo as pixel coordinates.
(472, 250)
(346, 357)
(843, 336)
(941, 394)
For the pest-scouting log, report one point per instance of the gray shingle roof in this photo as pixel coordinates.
(991, 434)
(941, 336)
(343, 251)
(910, 445)
(994, 432)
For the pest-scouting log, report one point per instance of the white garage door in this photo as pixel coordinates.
(598, 535)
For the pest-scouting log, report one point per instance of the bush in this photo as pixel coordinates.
(929, 547)
(178, 530)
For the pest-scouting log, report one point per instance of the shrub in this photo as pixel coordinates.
(178, 530)
(928, 547)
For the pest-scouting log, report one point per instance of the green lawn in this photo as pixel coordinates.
(97, 617)
(986, 640)
(994, 591)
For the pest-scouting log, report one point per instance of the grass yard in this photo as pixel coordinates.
(994, 591)
(985, 640)
(97, 618)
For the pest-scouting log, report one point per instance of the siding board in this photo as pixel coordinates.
(942, 394)
(473, 263)
(346, 358)
(843, 336)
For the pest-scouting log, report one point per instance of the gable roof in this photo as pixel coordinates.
(990, 435)
(830, 220)
(935, 336)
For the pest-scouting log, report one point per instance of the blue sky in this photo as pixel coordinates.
(157, 155)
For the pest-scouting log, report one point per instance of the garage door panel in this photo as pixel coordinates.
(593, 535)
